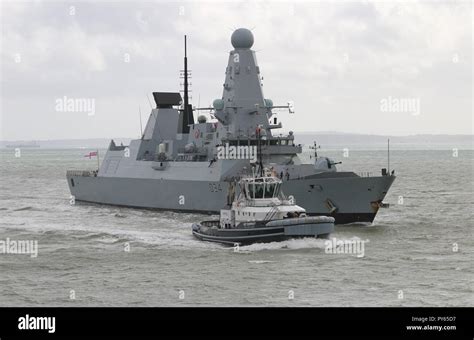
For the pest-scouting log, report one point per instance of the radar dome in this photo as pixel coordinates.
(242, 38)
(268, 103)
(218, 104)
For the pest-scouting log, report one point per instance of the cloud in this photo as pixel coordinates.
(335, 60)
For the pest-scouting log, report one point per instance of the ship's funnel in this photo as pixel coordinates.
(167, 99)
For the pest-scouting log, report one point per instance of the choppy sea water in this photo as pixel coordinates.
(409, 259)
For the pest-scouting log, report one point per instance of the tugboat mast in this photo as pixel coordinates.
(259, 150)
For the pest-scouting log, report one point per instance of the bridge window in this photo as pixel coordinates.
(269, 190)
(259, 190)
(250, 191)
(277, 190)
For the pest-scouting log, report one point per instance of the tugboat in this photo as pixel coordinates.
(262, 213)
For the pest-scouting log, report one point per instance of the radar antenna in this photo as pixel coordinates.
(315, 148)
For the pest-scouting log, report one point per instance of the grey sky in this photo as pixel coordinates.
(336, 61)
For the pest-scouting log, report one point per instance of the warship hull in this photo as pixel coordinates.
(347, 199)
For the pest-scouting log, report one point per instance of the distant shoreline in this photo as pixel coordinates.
(327, 141)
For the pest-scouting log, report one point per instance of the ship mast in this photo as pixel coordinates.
(188, 118)
(186, 115)
(186, 98)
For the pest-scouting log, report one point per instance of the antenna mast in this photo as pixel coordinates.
(388, 155)
(259, 150)
(187, 113)
(186, 98)
(141, 129)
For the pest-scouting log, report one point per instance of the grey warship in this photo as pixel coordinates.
(175, 164)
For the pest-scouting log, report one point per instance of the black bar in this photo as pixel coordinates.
(261, 322)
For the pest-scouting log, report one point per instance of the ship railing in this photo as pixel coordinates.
(271, 213)
(81, 173)
(187, 157)
(365, 174)
(196, 151)
(252, 202)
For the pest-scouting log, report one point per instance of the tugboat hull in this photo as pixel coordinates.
(264, 232)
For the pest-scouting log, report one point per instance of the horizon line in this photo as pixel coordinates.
(275, 134)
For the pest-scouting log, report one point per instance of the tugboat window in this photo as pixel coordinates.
(269, 189)
(251, 191)
(258, 190)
